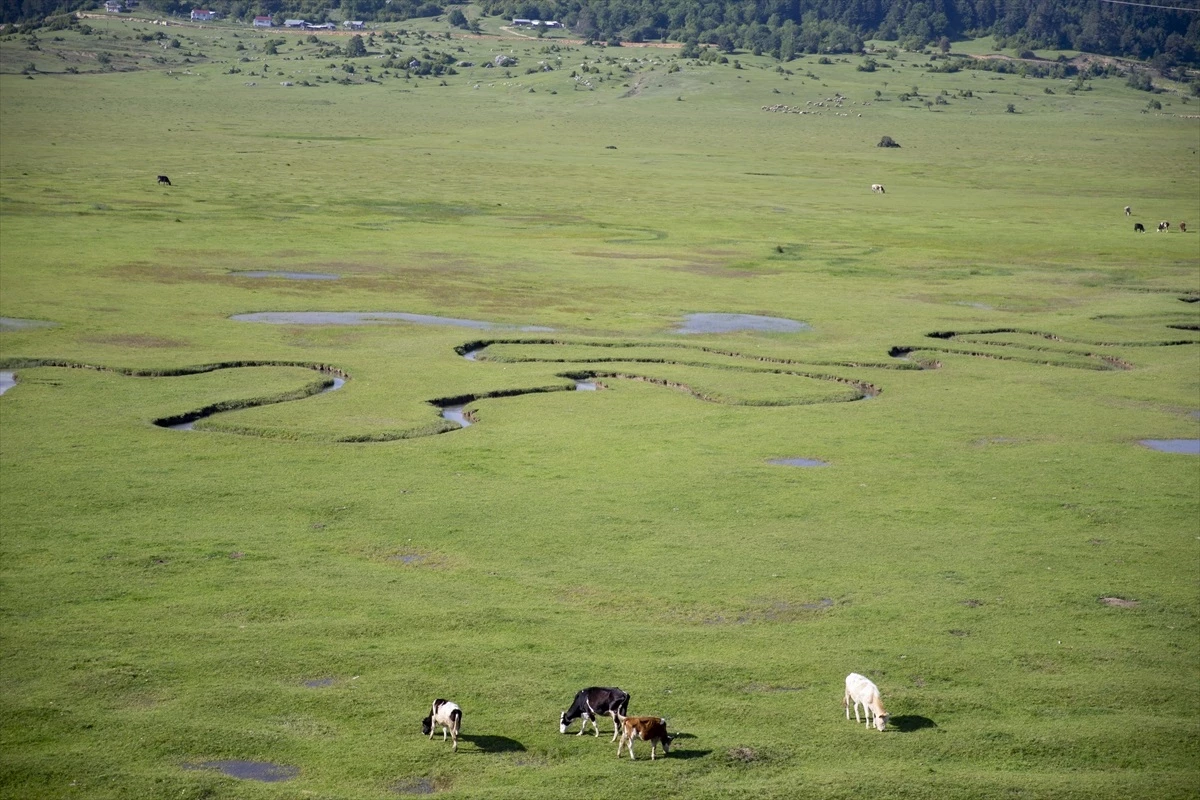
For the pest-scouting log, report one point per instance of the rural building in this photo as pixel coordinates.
(354, 25)
(323, 26)
(203, 14)
(113, 7)
(293, 23)
(522, 22)
(263, 22)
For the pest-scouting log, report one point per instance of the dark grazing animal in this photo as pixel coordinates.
(1139, 227)
(1163, 226)
(1183, 227)
(595, 701)
(446, 714)
(1128, 210)
(164, 179)
(648, 729)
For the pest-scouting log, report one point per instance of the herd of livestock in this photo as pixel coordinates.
(1163, 227)
(600, 701)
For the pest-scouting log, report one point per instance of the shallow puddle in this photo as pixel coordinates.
(1189, 447)
(7, 381)
(586, 386)
(372, 318)
(798, 462)
(263, 771)
(14, 324)
(291, 276)
(318, 683)
(729, 323)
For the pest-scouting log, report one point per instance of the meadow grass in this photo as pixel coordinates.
(168, 596)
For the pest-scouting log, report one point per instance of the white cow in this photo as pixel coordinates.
(449, 716)
(877, 188)
(860, 690)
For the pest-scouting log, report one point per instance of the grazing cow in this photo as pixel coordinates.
(1139, 227)
(648, 729)
(593, 702)
(1183, 227)
(1162, 226)
(1128, 210)
(860, 690)
(164, 179)
(446, 714)
(877, 188)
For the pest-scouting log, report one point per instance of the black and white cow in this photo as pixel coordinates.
(164, 179)
(446, 714)
(593, 702)
(1128, 210)
(1163, 226)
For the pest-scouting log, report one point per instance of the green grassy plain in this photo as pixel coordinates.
(167, 595)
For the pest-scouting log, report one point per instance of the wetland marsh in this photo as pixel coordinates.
(988, 540)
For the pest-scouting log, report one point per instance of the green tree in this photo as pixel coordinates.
(355, 48)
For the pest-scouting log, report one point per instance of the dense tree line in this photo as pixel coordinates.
(783, 28)
(786, 27)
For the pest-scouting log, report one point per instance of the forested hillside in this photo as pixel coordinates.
(783, 28)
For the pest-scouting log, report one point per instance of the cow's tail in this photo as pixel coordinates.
(623, 708)
(456, 719)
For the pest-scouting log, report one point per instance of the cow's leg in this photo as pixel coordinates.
(846, 705)
(856, 711)
(616, 725)
(595, 726)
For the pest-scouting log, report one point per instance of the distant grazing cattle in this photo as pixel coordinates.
(1162, 226)
(593, 702)
(648, 729)
(877, 188)
(1139, 227)
(861, 691)
(1183, 227)
(1128, 211)
(164, 179)
(446, 714)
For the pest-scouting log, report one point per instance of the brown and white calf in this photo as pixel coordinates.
(861, 691)
(446, 714)
(648, 729)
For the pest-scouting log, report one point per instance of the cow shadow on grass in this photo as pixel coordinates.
(680, 752)
(910, 722)
(687, 754)
(494, 744)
